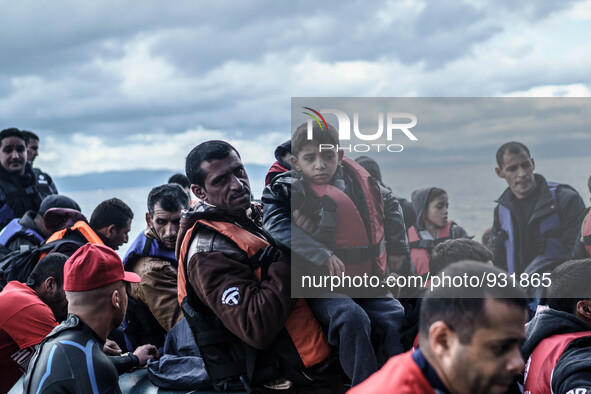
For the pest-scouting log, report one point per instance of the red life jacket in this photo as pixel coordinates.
(539, 367)
(303, 328)
(400, 375)
(420, 249)
(359, 244)
(586, 233)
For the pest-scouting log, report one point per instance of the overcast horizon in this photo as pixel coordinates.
(135, 85)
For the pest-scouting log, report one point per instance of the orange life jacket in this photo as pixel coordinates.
(81, 227)
(303, 328)
(359, 244)
(420, 249)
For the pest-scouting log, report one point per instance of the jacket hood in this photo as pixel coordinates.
(280, 151)
(419, 202)
(547, 323)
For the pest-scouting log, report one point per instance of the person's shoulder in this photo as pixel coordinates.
(209, 240)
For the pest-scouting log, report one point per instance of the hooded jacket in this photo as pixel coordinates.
(421, 250)
(280, 166)
(573, 369)
(291, 187)
(529, 253)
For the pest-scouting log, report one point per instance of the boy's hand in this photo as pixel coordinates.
(303, 221)
(394, 262)
(335, 265)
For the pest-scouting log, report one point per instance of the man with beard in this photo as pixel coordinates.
(45, 182)
(469, 340)
(19, 189)
(28, 312)
(234, 285)
(153, 306)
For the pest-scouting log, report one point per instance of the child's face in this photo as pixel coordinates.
(436, 213)
(317, 167)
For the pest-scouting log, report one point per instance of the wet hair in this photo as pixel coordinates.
(319, 136)
(12, 132)
(171, 197)
(51, 265)
(111, 211)
(454, 250)
(570, 284)
(29, 135)
(463, 309)
(513, 148)
(180, 179)
(206, 151)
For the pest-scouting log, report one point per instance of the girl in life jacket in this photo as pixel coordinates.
(432, 226)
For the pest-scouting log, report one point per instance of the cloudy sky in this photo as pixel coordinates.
(114, 85)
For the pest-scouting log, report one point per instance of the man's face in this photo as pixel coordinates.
(489, 363)
(116, 238)
(58, 303)
(518, 171)
(316, 166)
(226, 184)
(165, 224)
(13, 155)
(32, 149)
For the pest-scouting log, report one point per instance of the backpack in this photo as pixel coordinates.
(18, 264)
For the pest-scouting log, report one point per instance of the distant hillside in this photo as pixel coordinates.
(131, 179)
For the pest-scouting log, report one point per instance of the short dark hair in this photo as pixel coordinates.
(12, 132)
(320, 136)
(462, 309)
(111, 211)
(206, 151)
(454, 250)
(513, 148)
(589, 183)
(570, 284)
(180, 179)
(28, 135)
(50, 265)
(171, 198)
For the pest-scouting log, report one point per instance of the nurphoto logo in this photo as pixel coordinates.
(396, 123)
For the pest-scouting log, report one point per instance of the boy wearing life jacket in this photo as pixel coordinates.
(558, 339)
(344, 225)
(432, 226)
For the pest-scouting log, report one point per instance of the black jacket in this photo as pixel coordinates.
(573, 369)
(277, 202)
(570, 207)
(18, 194)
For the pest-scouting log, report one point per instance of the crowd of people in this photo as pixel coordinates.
(209, 294)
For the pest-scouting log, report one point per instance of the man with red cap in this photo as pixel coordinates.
(70, 358)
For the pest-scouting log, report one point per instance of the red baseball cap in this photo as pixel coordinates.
(94, 266)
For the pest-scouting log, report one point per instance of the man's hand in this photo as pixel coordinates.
(395, 263)
(145, 353)
(335, 265)
(111, 348)
(303, 221)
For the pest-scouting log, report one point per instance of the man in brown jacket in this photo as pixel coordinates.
(153, 308)
(235, 287)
